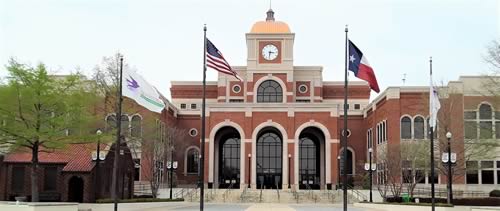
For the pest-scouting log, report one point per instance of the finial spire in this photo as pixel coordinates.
(270, 15)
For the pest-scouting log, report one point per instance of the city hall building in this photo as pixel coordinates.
(280, 126)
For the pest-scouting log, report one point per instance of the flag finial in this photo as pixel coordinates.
(346, 28)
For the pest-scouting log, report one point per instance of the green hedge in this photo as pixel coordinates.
(138, 200)
(491, 201)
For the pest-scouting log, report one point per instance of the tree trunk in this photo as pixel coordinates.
(34, 173)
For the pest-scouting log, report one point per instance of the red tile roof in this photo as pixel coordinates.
(77, 157)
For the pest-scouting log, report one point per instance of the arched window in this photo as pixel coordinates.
(350, 162)
(125, 124)
(485, 122)
(419, 128)
(485, 111)
(110, 122)
(193, 156)
(406, 128)
(269, 92)
(136, 125)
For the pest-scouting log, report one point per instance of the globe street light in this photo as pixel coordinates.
(450, 191)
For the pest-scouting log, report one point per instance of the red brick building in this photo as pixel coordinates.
(69, 174)
(281, 124)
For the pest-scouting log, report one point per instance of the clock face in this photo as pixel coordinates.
(269, 52)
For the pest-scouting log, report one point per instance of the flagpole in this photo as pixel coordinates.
(344, 130)
(202, 147)
(432, 140)
(118, 137)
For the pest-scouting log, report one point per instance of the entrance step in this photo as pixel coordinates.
(271, 196)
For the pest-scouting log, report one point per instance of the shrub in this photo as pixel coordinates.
(421, 200)
(412, 204)
(495, 193)
(137, 200)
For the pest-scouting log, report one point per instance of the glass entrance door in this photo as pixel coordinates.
(229, 172)
(309, 164)
(269, 161)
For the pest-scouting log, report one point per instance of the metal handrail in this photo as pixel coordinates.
(277, 190)
(243, 193)
(226, 192)
(260, 196)
(311, 193)
(295, 195)
(357, 193)
(191, 193)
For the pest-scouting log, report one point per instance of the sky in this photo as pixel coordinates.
(163, 39)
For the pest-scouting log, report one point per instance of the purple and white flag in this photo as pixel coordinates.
(136, 88)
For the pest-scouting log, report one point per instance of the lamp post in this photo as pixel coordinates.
(450, 176)
(370, 151)
(289, 157)
(338, 170)
(171, 166)
(98, 133)
(249, 169)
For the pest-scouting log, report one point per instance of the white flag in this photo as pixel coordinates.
(434, 104)
(136, 88)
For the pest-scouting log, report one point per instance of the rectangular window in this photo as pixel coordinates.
(470, 130)
(436, 178)
(497, 114)
(486, 164)
(193, 106)
(487, 177)
(183, 106)
(357, 106)
(407, 176)
(498, 176)
(497, 131)
(50, 178)
(471, 176)
(235, 100)
(347, 106)
(420, 176)
(17, 179)
(485, 130)
(470, 115)
(378, 134)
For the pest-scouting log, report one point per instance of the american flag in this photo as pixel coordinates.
(216, 61)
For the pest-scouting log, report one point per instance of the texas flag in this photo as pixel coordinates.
(361, 68)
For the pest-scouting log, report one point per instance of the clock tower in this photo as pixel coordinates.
(270, 46)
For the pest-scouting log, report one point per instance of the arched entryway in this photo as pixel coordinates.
(311, 158)
(75, 189)
(227, 157)
(269, 159)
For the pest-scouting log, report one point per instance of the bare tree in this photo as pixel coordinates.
(158, 151)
